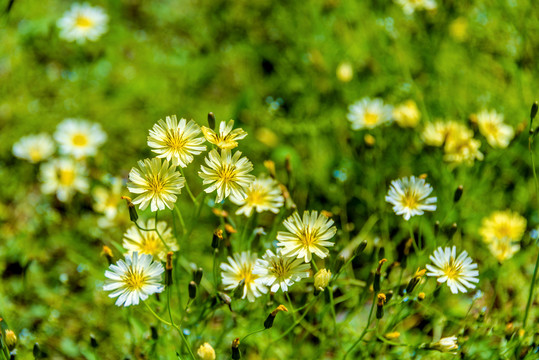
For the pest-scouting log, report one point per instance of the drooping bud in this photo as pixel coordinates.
(453, 230)
(377, 274)
(168, 268)
(381, 300)
(415, 280)
(11, 339)
(458, 194)
(225, 299)
(107, 252)
(206, 352)
(288, 166)
(192, 290)
(268, 323)
(93, 342)
(270, 165)
(211, 121)
(133, 216)
(36, 351)
(362, 245)
(197, 275)
(217, 237)
(236, 355)
(321, 279)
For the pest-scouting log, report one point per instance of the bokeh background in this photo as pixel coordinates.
(275, 67)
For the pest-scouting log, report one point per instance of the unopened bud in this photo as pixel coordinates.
(447, 344)
(206, 352)
(321, 279)
(219, 212)
(533, 112)
(211, 121)
(236, 355)
(270, 165)
(107, 252)
(453, 230)
(36, 351)
(192, 290)
(389, 295)
(133, 216)
(421, 296)
(268, 323)
(11, 339)
(362, 245)
(458, 194)
(217, 237)
(415, 280)
(392, 335)
(436, 228)
(381, 300)
(93, 342)
(154, 334)
(197, 275)
(168, 268)
(288, 165)
(230, 229)
(377, 274)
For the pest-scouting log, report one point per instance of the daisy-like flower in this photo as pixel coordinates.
(264, 194)
(434, 134)
(134, 279)
(502, 224)
(277, 271)
(83, 22)
(106, 200)
(227, 138)
(63, 177)
(34, 148)
(79, 138)
(463, 150)
(407, 114)
(410, 6)
(492, 127)
(409, 197)
(458, 272)
(504, 248)
(306, 236)
(148, 242)
(228, 174)
(367, 113)
(241, 268)
(176, 141)
(157, 182)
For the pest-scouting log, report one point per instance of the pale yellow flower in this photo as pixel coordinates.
(407, 114)
(157, 183)
(280, 272)
(410, 6)
(176, 141)
(264, 194)
(64, 177)
(503, 248)
(409, 197)
(492, 127)
(106, 200)
(83, 22)
(206, 352)
(227, 174)
(368, 114)
(321, 279)
(34, 148)
(345, 72)
(241, 268)
(434, 133)
(503, 224)
(79, 138)
(226, 138)
(148, 242)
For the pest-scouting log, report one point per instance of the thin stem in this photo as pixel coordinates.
(416, 248)
(158, 234)
(188, 188)
(254, 332)
(296, 322)
(332, 302)
(156, 316)
(364, 330)
(291, 305)
(178, 212)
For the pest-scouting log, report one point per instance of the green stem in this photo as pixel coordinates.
(188, 188)
(158, 234)
(296, 322)
(178, 212)
(254, 332)
(364, 330)
(291, 305)
(333, 314)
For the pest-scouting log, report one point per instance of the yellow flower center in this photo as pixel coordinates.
(280, 268)
(371, 118)
(35, 154)
(410, 200)
(83, 22)
(257, 197)
(491, 129)
(151, 245)
(308, 237)
(134, 281)
(66, 176)
(175, 141)
(79, 140)
(451, 270)
(155, 184)
(227, 173)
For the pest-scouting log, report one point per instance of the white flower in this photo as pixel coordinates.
(264, 194)
(226, 138)
(409, 6)
(34, 148)
(148, 242)
(492, 127)
(241, 268)
(409, 197)
(279, 271)
(307, 236)
(176, 141)
(134, 279)
(83, 22)
(63, 177)
(79, 138)
(157, 183)
(367, 113)
(458, 272)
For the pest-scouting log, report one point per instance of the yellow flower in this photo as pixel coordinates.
(434, 133)
(306, 236)
(157, 183)
(321, 279)
(503, 224)
(492, 127)
(206, 352)
(176, 141)
(407, 114)
(503, 248)
(345, 72)
(264, 194)
(226, 139)
(148, 242)
(458, 29)
(228, 174)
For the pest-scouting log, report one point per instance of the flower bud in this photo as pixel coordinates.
(533, 113)
(376, 282)
(154, 334)
(321, 279)
(380, 306)
(270, 165)
(93, 342)
(192, 290)
(421, 296)
(133, 216)
(217, 237)
(230, 229)
(107, 252)
(11, 339)
(268, 323)
(458, 194)
(197, 275)
(453, 230)
(211, 121)
(447, 344)
(392, 335)
(205, 351)
(362, 245)
(168, 268)
(236, 355)
(436, 228)
(415, 280)
(36, 351)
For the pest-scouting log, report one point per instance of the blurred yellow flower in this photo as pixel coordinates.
(407, 114)
(410, 6)
(492, 127)
(63, 177)
(264, 194)
(458, 29)
(226, 138)
(502, 224)
(457, 139)
(148, 242)
(503, 248)
(206, 352)
(34, 148)
(434, 133)
(345, 72)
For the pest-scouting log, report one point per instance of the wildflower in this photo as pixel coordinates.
(407, 114)
(11, 339)
(106, 201)
(34, 148)
(460, 146)
(367, 113)
(206, 352)
(228, 174)
(83, 22)
(492, 127)
(176, 141)
(134, 279)
(345, 72)
(502, 224)
(148, 242)
(321, 279)
(240, 268)
(227, 138)
(458, 29)
(79, 138)
(503, 248)
(410, 6)
(63, 177)
(279, 271)
(434, 134)
(447, 344)
(306, 236)
(409, 197)
(458, 272)
(264, 194)
(157, 182)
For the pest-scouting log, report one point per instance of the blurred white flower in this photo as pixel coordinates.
(83, 22)
(409, 197)
(410, 6)
(367, 113)
(491, 125)
(148, 242)
(106, 200)
(79, 138)
(63, 177)
(34, 148)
